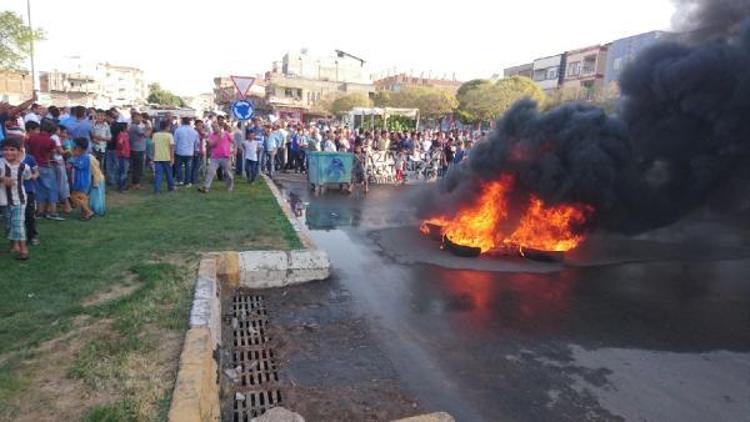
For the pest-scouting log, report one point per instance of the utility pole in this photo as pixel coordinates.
(31, 48)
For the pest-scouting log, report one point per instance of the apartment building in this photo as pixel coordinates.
(623, 51)
(15, 86)
(526, 70)
(584, 72)
(401, 81)
(547, 72)
(338, 67)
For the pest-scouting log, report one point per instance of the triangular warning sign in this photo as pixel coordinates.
(243, 84)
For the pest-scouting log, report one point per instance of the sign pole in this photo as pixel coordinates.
(31, 48)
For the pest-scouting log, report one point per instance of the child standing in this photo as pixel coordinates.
(123, 159)
(43, 148)
(30, 185)
(250, 148)
(360, 168)
(64, 169)
(81, 178)
(13, 172)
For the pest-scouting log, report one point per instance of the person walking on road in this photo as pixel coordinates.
(271, 146)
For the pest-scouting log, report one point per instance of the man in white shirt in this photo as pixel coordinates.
(34, 114)
(329, 145)
(250, 149)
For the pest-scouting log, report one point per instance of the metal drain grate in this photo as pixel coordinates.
(257, 389)
(257, 366)
(256, 404)
(250, 333)
(246, 306)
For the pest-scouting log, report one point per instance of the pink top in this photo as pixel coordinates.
(220, 147)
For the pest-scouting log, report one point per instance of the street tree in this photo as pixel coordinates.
(476, 101)
(345, 103)
(15, 37)
(160, 96)
(382, 99)
(481, 101)
(518, 87)
(432, 102)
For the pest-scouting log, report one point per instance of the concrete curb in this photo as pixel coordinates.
(265, 269)
(196, 392)
(302, 232)
(432, 417)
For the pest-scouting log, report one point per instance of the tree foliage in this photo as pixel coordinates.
(477, 102)
(15, 37)
(157, 95)
(483, 101)
(382, 99)
(345, 103)
(432, 102)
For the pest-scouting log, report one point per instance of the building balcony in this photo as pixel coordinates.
(287, 101)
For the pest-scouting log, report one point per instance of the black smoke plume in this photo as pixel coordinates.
(682, 128)
(701, 19)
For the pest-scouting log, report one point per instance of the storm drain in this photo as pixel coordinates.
(256, 385)
(255, 404)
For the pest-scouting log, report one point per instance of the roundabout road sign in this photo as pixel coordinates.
(242, 109)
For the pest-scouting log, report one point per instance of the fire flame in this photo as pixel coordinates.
(484, 224)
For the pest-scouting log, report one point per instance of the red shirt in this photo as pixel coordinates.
(41, 147)
(123, 145)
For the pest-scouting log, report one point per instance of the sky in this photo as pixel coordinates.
(184, 47)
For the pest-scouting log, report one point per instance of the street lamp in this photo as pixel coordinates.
(31, 47)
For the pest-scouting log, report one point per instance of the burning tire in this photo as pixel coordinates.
(460, 250)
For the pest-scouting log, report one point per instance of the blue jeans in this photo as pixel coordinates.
(47, 186)
(270, 161)
(110, 165)
(238, 162)
(196, 170)
(123, 164)
(163, 168)
(187, 162)
(251, 170)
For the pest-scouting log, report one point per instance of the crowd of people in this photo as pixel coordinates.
(284, 147)
(55, 160)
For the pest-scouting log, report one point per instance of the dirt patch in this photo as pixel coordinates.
(141, 377)
(148, 376)
(113, 291)
(52, 395)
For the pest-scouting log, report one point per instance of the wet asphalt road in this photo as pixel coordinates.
(647, 337)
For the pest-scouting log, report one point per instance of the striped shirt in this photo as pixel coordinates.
(15, 194)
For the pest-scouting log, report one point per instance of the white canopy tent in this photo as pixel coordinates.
(386, 112)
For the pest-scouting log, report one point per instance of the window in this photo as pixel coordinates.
(588, 90)
(589, 65)
(540, 75)
(574, 69)
(288, 92)
(551, 73)
(617, 64)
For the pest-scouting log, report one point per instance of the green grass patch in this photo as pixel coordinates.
(148, 239)
(121, 411)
